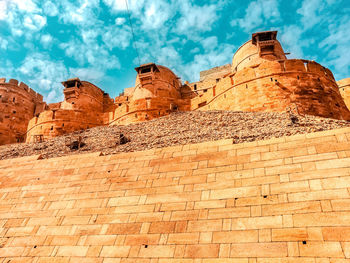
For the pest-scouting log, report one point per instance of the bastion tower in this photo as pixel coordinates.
(263, 79)
(18, 104)
(157, 92)
(84, 106)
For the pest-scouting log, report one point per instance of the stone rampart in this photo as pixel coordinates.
(157, 93)
(344, 89)
(276, 86)
(280, 200)
(18, 104)
(85, 106)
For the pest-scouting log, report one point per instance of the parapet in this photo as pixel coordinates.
(15, 83)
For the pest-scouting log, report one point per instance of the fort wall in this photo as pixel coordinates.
(157, 93)
(85, 106)
(18, 104)
(276, 86)
(344, 89)
(280, 200)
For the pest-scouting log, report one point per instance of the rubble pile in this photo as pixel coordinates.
(178, 128)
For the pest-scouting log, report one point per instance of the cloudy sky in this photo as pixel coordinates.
(44, 42)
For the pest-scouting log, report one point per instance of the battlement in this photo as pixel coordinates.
(23, 86)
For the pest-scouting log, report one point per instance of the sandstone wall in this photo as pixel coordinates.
(281, 200)
(156, 93)
(216, 72)
(249, 55)
(84, 107)
(344, 88)
(275, 86)
(18, 104)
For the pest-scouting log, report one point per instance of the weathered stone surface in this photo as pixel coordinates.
(18, 104)
(193, 127)
(123, 208)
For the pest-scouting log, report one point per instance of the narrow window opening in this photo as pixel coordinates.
(217, 80)
(304, 242)
(62, 124)
(14, 112)
(271, 79)
(14, 99)
(145, 70)
(73, 102)
(298, 77)
(195, 86)
(205, 90)
(51, 128)
(246, 86)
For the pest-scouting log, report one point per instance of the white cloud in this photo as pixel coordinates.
(3, 43)
(27, 6)
(3, 10)
(120, 5)
(50, 8)
(119, 21)
(336, 46)
(88, 74)
(210, 43)
(117, 37)
(46, 40)
(156, 14)
(35, 22)
(195, 19)
(257, 14)
(292, 41)
(82, 12)
(41, 71)
(311, 12)
(216, 57)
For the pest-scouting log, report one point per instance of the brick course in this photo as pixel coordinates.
(235, 207)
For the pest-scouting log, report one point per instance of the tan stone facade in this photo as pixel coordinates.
(157, 92)
(280, 200)
(260, 78)
(84, 106)
(18, 104)
(344, 88)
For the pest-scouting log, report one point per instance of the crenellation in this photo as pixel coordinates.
(18, 105)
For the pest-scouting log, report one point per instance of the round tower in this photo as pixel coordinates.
(84, 106)
(18, 104)
(263, 79)
(157, 92)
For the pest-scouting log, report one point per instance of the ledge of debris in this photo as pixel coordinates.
(175, 129)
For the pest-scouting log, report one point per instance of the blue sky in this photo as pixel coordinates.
(45, 42)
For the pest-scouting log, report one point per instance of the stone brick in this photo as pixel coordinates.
(321, 249)
(157, 251)
(336, 233)
(257, 222)
(202, 251)
(115, 251)
(183, 238)
(235, 236)
(289, 234)
(275, 249)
